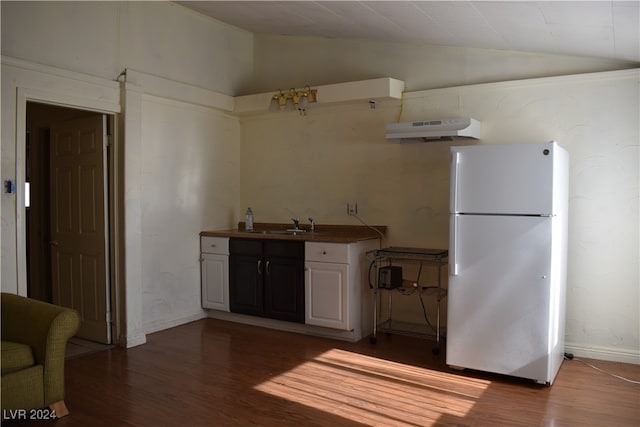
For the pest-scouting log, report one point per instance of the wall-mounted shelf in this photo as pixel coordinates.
(364, 90)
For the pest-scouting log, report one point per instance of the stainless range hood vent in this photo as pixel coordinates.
(433, 130)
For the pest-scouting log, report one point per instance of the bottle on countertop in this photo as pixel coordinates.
(248, 221)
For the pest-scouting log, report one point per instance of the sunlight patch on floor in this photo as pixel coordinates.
(376, 391)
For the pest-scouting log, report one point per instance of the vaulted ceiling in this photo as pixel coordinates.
(601, 29)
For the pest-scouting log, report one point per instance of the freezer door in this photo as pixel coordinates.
(504, 178)
(499, 295)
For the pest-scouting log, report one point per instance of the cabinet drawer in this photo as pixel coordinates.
(214, 245)
(246, 247)
(327, 252)
(283, 248)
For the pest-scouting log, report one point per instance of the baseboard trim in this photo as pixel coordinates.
(161, 325)
(604, 353)
(299, 328)
(128, 341)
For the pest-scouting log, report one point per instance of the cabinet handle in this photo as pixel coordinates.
(213, 246)
(324, 252)
(259, 266)
(268, 269)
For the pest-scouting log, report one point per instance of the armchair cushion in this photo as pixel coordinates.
(15, 356)
(23, 389)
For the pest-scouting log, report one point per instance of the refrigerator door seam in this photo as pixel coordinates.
(505, 214)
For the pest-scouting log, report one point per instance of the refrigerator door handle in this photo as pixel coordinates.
(455, 161)
(453, 246)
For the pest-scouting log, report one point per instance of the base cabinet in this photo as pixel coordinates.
(336, 287)
(214, 269)
(266, 278)
(319, 288)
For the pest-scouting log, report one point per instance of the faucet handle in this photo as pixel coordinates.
(313, 225)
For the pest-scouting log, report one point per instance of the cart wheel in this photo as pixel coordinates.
(435, 350)
(373, 340)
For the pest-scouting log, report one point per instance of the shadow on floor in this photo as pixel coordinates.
(77, 347)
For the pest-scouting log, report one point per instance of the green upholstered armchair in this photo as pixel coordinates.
(34, 340)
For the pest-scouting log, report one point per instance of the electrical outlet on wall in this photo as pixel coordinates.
(352, 208)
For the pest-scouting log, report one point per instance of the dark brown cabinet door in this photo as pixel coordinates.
(266, 278)
(246, 284)
(284, 281)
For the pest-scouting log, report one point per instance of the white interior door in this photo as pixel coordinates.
(79, 254)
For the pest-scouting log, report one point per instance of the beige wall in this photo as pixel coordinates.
(311, 166)
(190, 182)
(314, 165)
(171, 150)
(103, 38)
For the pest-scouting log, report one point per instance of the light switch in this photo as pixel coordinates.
(9, 187)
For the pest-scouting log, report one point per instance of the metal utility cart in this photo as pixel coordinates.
(388, 264)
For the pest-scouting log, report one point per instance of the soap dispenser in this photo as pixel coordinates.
(248, 221)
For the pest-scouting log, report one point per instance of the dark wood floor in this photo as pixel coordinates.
(216, 373)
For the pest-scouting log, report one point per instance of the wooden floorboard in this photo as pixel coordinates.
(217, 373)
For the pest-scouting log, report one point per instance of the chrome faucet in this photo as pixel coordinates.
(296, 222)
(313, 225)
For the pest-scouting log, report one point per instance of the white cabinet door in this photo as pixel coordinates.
(215, 281)
(327, 295)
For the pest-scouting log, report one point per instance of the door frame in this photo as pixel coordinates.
(113, 187)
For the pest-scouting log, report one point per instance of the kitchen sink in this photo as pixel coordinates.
(290, 232)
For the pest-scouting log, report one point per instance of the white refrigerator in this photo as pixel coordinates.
(507, 259)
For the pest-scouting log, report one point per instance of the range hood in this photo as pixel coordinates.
(433, 130)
